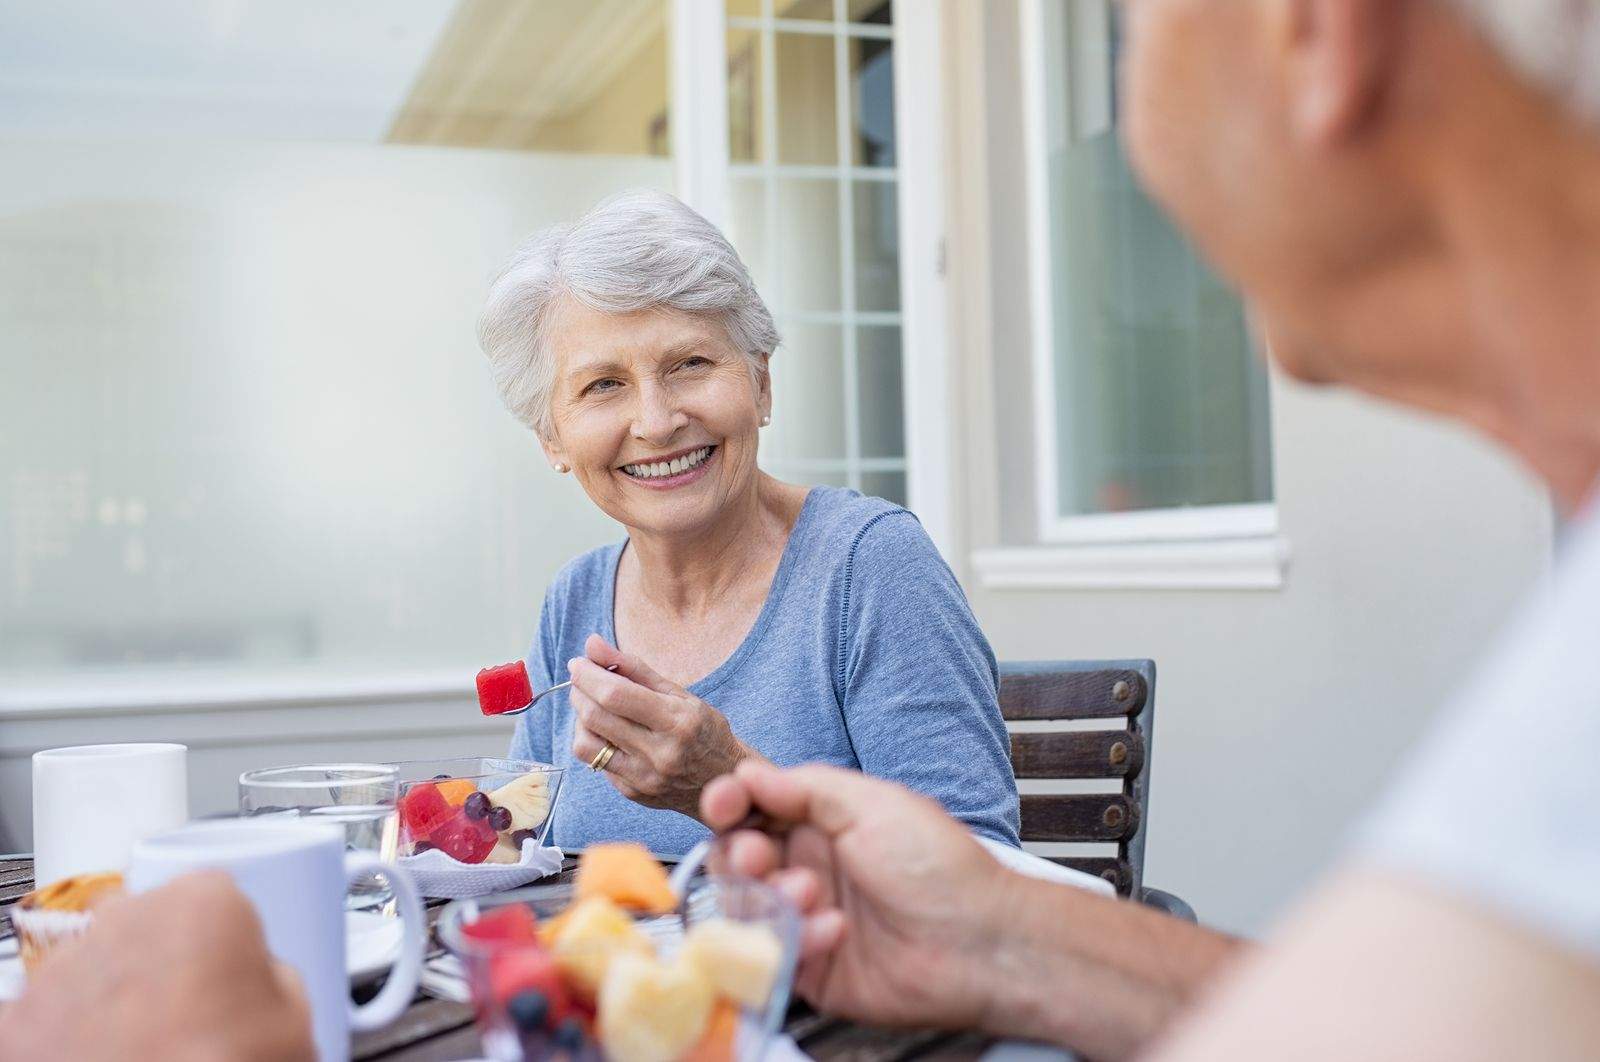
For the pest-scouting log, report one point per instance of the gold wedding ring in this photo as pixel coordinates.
(603, 757)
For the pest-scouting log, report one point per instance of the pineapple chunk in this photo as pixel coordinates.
(592, 934)
(652, 1011)
(739, 958)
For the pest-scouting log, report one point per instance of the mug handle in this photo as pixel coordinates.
(401, 988)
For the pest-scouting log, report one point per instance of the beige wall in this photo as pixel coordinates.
(1278, 713)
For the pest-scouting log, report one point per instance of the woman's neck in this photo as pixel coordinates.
(686, 572)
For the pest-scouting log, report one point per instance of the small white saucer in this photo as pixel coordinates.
(372, 943)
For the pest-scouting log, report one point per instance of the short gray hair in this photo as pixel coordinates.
(1555, 42)
(637, 250)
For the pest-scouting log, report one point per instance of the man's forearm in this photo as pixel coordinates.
(1099, 976)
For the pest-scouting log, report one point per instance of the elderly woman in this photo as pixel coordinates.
(742, 616)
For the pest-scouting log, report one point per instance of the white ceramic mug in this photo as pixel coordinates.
(93, 803)
(296, 874)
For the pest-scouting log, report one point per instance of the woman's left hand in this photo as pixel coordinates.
(669, 742)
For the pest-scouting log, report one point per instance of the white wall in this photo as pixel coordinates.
(1277, 714)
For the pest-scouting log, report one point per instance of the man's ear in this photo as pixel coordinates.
(1343, 55)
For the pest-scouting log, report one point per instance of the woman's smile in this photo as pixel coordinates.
(671, 470)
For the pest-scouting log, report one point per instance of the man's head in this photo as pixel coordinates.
(1325, 154)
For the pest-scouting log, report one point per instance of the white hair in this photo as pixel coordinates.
(637, 250)
(1556, 42)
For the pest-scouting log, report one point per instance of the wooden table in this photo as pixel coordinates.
(435, 1030)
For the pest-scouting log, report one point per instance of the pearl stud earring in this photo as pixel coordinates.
(765, 420)
(563, 469)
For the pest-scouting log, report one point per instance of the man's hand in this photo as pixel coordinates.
(909, 921)
(901, 904)
(179, 973)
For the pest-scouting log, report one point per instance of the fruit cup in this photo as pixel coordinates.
(532, 976)
(474, 809)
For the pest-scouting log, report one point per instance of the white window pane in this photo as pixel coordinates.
(807, 389)
(880, 12)
(891, 486)
(746, 105)
(808, 120)
(880, 383)
(808, 245)
(877, 246)
(1161, 401)
(818, 10)
(872, 97)
(245, 419)
(747, 229)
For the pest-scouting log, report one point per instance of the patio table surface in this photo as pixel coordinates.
(436, 1030)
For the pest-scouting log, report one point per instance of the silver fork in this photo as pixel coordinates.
(537, 697)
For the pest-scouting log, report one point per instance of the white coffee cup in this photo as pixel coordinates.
(296, 874)
(93, 803)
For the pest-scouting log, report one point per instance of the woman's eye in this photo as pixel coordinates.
(600, 386)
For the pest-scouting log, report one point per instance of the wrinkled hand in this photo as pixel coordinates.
(669, 742)
(179, 973)
(901, 905)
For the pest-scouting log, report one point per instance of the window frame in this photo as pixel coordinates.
(704, 168)
(1186, 528)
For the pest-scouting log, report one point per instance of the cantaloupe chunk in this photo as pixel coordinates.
(626, 874)
(721, 1038)
(456, 790)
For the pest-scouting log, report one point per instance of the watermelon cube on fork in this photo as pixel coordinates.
(504, 689)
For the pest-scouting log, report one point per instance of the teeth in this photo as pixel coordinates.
(660, 469)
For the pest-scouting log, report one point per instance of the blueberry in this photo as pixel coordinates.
(500, 818)
(522, 835)
(421, 846)
(528, 1010)
(477, 806)
(441, 777)
(569, 1035)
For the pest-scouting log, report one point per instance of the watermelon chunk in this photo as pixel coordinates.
(463, 839)
(515, 923)
(421, 809)
(504, 689)
(529, 970)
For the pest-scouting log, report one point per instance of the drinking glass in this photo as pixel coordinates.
(491, 967)
(357, 797)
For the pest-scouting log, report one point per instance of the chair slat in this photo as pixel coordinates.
(1079, 817)
(1072, 694)
(1116, 871)
(1079, 754)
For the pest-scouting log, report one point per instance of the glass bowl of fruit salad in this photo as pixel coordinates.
(475, 810)
(588, 972)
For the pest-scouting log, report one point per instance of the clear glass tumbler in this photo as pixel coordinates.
(357, 797)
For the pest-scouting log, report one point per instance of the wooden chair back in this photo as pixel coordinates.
(1120, 693)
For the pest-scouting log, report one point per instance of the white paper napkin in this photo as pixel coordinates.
(436, 874)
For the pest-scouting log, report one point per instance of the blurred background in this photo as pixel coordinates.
(258, 495)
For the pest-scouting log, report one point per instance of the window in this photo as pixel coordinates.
(243, 419)
(1152, 407)
(813, 196)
